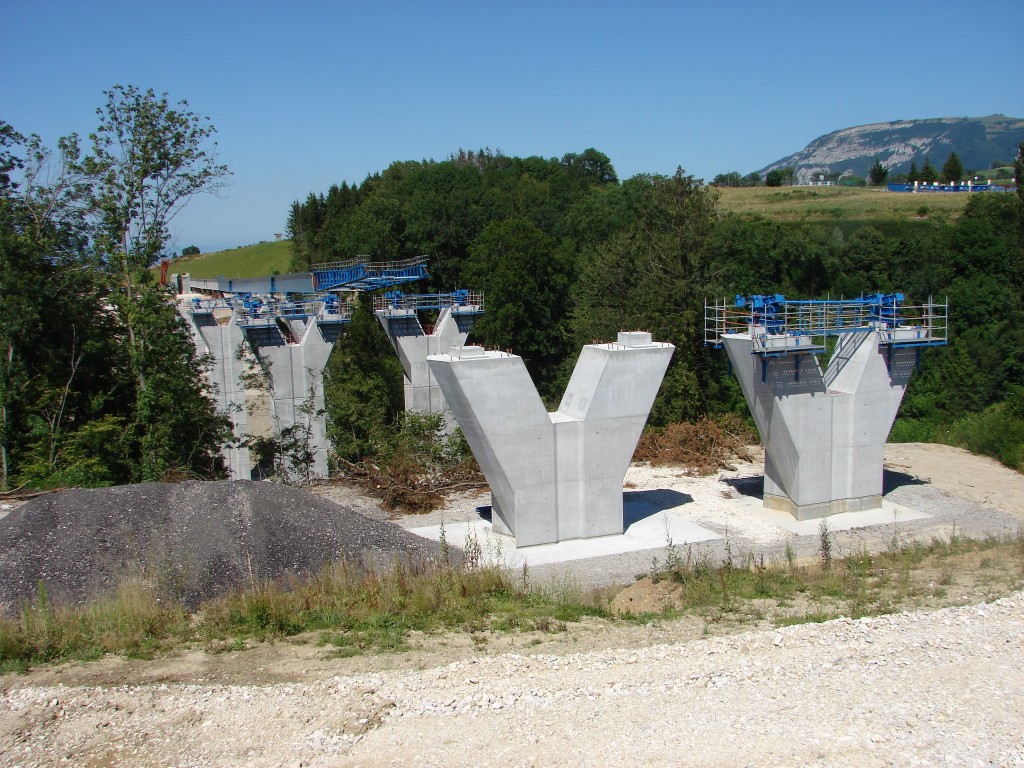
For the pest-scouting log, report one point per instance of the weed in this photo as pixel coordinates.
(825, 544)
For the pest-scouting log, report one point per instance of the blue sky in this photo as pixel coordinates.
(321, 93)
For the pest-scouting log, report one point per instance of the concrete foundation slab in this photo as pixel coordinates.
(652, 531)
(885, 513)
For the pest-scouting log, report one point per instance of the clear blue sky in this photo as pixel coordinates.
(309, 94)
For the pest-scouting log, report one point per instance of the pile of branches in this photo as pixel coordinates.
(408, 485)
(702, 447)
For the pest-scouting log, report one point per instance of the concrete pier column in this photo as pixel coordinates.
(217, 335)
(413, 345)
(293, 354)
(555, 476)
(824, 432)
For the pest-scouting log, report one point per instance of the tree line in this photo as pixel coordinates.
(100, 383)
(567, 254)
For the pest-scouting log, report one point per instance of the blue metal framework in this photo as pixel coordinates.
(461, 302)
(254, 310)
(361, 274)
(779, 326)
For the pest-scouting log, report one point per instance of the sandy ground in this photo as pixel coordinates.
(917, 689)
(961, 474)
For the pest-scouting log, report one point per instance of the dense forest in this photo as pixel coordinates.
(566, 254)
(100, 384)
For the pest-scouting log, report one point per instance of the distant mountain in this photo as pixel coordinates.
(978, 141)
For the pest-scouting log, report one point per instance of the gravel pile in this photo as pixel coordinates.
(196, 538)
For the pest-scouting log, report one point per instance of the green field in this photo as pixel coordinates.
(249, 261)
(819, 204)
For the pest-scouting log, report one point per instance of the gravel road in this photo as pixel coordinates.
(911, 689)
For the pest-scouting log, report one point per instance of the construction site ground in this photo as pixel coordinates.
(938, 684)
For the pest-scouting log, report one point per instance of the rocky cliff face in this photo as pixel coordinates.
(978, 141)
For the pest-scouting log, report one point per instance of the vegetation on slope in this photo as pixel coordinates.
(268, 258)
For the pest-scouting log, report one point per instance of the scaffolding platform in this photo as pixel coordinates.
(398, 304)
(361, 274)
(779, 326)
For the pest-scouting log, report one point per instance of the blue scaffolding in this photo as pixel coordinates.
(461, 302)
(361, 274)
(781, 326)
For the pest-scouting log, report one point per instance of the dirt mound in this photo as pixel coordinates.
(195, 539)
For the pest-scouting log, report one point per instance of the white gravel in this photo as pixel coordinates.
(911, 689)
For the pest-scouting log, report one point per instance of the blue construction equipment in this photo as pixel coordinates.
(781, 326)
(361, 274)
(460, 302)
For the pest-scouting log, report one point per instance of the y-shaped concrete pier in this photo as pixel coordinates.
(266, 364)
(824, 432)
(555, 476)
(398, 314)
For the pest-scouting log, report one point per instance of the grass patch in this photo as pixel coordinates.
(836, 203)
(271, 258)
(906, 575)
(356, 610)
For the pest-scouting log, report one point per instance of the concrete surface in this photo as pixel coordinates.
(555, 476)
(824, 431)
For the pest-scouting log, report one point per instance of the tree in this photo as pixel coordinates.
(952, 169)
(362, 385)
(731, 179)
(526, 277)
(773, 178)
(913, 174)
(877, 173)
(928, 173)
(592, 165)
(149, 159)
(190, 250)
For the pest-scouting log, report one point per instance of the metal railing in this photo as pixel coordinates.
(461, 302)
(779, 326)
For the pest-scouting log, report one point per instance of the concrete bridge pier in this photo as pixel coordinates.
(555, 476)
(824, 432)
(216, 334)
(293, 353)
(414, 345)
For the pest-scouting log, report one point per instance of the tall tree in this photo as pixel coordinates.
(928, 172)
(149, 159)
(952, 169)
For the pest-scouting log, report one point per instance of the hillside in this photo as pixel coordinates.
(979, 142)
(822, 204)
(273, 258)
